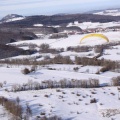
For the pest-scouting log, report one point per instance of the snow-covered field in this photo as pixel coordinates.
(112, 54)
(4, 115)
(90, 25)
(67, 103)
(74, 40)
(13, 74)
(73, 104)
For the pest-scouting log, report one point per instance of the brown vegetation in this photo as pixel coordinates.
(91, 83)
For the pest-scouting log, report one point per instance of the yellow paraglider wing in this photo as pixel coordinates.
(95, 35)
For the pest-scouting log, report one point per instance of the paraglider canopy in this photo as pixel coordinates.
(95, 35)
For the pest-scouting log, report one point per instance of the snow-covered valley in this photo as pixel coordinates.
(64, 77)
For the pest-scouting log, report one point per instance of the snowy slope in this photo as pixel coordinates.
(11, 18)
(15, 19)
(91, 25)
(74, 40)
(4, 115)
(71, 103)
(74, 103)
(114, 12)
(14, 75)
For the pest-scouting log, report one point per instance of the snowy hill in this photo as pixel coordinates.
(12, 17)
(61, 77)
(100, 103)
(112, 12)
(61, 20)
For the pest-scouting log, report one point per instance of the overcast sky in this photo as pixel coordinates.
(50, 7)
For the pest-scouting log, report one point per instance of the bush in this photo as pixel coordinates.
(75, 69)
(42, 113)
(104, 69)
(116, 81)
(46, 96)
(98, 49)
(93, 100)
(12, 107)
(26, 71)
(44, 47)
(51, 118)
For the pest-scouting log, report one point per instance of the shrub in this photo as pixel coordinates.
(46, 96)
(98, 49)
(80, 100)
(63, 92)
(12, 107)
(78, 94)
(44, 47)
(58, 90)
(42, 113)
(101, 103)
(93, 100)
(112, 94)
(25, 71)
(75, 69)
(51, 118)
(1, 85)
(93, 93)
(116, 81)
(104, 69)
